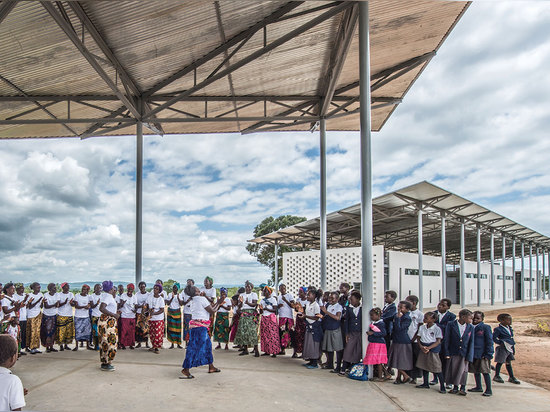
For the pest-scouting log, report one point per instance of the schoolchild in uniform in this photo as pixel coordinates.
(503, 336)
(428, 340)
(458, 347)
(417, 318)
(483, 353)
(388, 314)
(444, 316)
(354, 347)
(400, 354)
(376, 350)
(332, 336)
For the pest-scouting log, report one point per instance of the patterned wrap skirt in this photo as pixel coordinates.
(286, 331)
(83, 329)
(65, 330)
(376, 354)
(173, 328)
(186, 320)
(269, 335)
(95, 330)
(247, 331)
(33, 331)
(221, 328)
(127, 331)
(300, 334)
(199, 348)
(234, 327)
(47, 330)
(142, 328)
(108, 338)
(156, 333)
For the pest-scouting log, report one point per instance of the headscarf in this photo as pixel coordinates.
(268, 289)
(303, 289)
(86, 286)
(131, 286)
(209, 279)
(18, 285)
(177, 285)
(64, 284)
(107, 285)
(223, 290)
(158, 285)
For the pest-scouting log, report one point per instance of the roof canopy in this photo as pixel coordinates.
(395, 225)
(97, 67)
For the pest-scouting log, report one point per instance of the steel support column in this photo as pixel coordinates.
(503, 270)
(478, 265)
(543, 289)
(513, 269)
(530, 271)
(462, 261)
(522, 284)
(537, 274)
(139, 200)
(492, 268)
(443, 257)
(277, 266)
(323, 202)
(420, 265)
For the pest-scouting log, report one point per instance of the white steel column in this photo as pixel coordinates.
(366, 166)
(478, 265)
(492, 267)
(443, 258)
(503, 269)
(522, 284)
(543, 287)
(139, 201)
(420, 265)
(530, 271)
(537, 277)
(514, 269)
(277, 266)
(323, 201)
(462, 260)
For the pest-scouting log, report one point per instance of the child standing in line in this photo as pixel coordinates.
(388, 314)
(400, 354)
(354, 348)
(332, 335)
(458, 347)
(314, 331)
(417, 318)
(483, 353)
(376, 349)
(503, 336)
(444, 316)
(12, 393)
(428, 340)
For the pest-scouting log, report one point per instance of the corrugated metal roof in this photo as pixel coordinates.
(153, 40)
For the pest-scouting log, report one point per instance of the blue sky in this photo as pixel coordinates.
(475, 123)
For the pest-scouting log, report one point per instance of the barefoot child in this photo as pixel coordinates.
(12, 394)
(428, 339)
(458, 347)
(483, 353)
(400, 354)
(376, 350)
(503, 336)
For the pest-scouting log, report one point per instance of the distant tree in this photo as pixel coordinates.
(265, 254)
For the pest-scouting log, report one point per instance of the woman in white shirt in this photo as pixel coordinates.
(199, 349)
(82, 321)
(222, 326)
(186, 302)
(95, 314)
(285, 303)
(34, 318)
(65, 320)
(209, 293)
(107, 326)
(142, 316)
(9, 304)
(247, 330)
(269, 330)
(173, 317)
(49, 318)
(155, 305)
(22, 298)
(300, 329)
(127, 305)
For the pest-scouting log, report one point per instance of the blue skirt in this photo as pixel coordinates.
(199, 349)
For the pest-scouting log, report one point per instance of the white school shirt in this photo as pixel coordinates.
(269, 303)
(417, 318)
(461, 328)
(198, 311)
(440, 315)
(95, 311)
(35, 310)
(110, 302)
(175, 304)
(66, 309)
(302, 303)
(226, 302)
(22, 310)
(312, 309)
(11, 391)
(82, 301)
(211, 293)
(429, 335)
(285, 311)
(141, 299)
(356, 309)
(50, 300)
(154, 305)
(187, 308)
(129, 304)
(248, 297)
(334, 309)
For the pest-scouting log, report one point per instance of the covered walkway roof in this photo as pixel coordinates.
(395, 225)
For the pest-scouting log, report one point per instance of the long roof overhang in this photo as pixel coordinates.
(395, 225)
(89, 68)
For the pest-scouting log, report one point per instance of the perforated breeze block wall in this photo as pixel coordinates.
(343, 265)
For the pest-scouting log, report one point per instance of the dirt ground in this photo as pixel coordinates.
(532, 362)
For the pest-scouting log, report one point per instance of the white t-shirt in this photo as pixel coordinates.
(23, 309)
(334, 309)
(302, 303)
(95, 311)
(226, 302)
(269, 303)
(82, 301)
(248, 297)
(175, 304)
(211, 293)
(35, 310)
(312, 309)
(187, 308)
(141, 299)
(109, 301)
(429, 335)
(11, 391)
(128, 307)
(50, 300)
(66, 309)
(197, 308)
(154, 305)
(417, 318)
(9, 303)
(285, 311)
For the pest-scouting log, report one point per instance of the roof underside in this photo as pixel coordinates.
(395, 226)
(93, 67)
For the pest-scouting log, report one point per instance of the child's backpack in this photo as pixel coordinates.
(359, 372)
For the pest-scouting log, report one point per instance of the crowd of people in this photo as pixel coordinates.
(322, 328)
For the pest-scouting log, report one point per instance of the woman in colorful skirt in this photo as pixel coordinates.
(34, 318)
(173, 328)
(142, 315)
(49, 318)
(82, 321)
(65, 320)
(247, 331)
(127, 306)
(186, 302)
(107, 327)
(269, 330)
(300, 330)
(235, 320)
(199, 350)
(286, 304)
(155, 304)
(222, 329)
